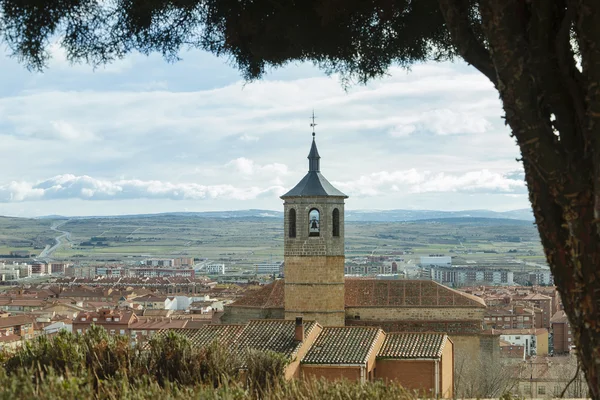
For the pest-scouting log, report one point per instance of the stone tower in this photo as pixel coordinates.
(314, 248)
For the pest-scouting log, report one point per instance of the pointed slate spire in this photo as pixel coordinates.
(314, 163)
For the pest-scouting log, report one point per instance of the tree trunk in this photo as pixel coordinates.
(553, 109)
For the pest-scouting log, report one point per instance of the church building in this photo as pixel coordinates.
(315, 289)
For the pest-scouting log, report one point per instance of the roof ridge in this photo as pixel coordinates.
(372, 347)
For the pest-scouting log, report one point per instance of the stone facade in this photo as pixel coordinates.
(314, 265)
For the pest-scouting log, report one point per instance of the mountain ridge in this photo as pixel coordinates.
(397, 215)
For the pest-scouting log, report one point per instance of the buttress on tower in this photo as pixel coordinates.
(314, 248)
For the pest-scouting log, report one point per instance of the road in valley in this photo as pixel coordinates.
(59, 241)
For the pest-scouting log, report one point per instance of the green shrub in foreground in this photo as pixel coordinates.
(101, 366)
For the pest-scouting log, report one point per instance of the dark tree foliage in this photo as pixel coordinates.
(543, 56)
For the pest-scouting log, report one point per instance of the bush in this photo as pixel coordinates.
(96, 365)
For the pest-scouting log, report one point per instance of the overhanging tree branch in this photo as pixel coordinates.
(455, 14)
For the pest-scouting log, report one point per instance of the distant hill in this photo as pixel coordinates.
(351, 215)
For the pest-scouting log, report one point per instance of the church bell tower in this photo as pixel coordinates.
(314, 247)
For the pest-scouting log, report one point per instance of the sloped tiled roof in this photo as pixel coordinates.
(274, 335)
(269, 296)
(560, 317)
(343, 345)
(312, 185)
(206, 334)
(374, 293)
(8, 322)
(407, 293)
(413, 345)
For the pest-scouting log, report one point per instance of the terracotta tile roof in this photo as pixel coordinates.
(413, 345)
(8, 322)
(560, 317)
(537, 296)
(10, 338)
(269, 296)
(524, 331)
(206, 334)
(374, 293)
(407, 293)
(343, 345)
(158, 324)
(275, 335)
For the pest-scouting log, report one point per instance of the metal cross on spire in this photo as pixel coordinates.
(312, 124)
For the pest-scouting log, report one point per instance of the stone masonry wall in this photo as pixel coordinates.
(314, 265)
(326, 243)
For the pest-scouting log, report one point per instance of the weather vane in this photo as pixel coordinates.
(312, 124)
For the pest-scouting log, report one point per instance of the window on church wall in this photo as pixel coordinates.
(292, 223)
(314, 222)
(336, 222)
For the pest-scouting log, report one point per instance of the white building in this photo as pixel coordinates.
(442, 261)
(215, 269)
(110, 271)
(541, 278)
(57, 327)
(9, 273)
(24, 269)
(269, 268)
(471, 275)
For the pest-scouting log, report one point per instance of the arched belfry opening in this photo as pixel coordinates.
(314, 222)
(292, 223)
(335, 221)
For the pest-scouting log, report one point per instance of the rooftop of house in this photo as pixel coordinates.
(274, 335)
(374, 293)
(413, 345)
(523, 331)
(9, 338)
(536, 297)
(158, 324)
(560, 317)
(16, 320)
(343, 345)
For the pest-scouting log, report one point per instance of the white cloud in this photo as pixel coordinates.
(67, 131)
(413, 181)
(87, 188)
(249, 168)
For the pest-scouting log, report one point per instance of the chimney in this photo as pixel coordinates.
(299, 332)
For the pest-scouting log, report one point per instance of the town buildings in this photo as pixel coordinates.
(423, 362)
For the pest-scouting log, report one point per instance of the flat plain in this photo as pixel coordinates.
(242, 241)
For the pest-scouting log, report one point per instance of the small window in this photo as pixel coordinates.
(314, 223)
(122, 331)
(94, 319)
(108, 319)
(541, 389)
(117, 319)
(292, 223)
(336, 222)
(83, 319)
(112, 331)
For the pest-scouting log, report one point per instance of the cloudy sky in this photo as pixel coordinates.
(144, 136)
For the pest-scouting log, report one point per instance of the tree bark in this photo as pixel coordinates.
(553, 109)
